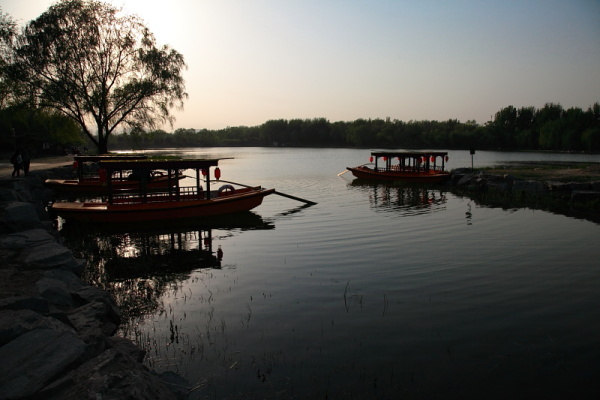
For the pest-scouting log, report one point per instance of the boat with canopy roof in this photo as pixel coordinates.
(409, 166)
(89, 181)
(170, 203)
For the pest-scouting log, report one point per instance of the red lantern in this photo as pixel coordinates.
(203, 171)
(432, 159)
(75, 164)
(102, 174)
(423, 159)
(446, 158)
(371, 159)
(384, 158)
(217, 173)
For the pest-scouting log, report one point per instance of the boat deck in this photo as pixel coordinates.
(183, 194)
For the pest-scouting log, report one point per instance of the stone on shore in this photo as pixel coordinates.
(52, 255)
(528, 186)
(19, 216)
(56, 333)
(112, 375)
(27, 238)
(43, 251)
(36, 358)
(585, 195)
(14, 323)
(36, 304)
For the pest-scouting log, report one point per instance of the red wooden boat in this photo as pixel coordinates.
(95, 183)
(416, 166)
(171, 204)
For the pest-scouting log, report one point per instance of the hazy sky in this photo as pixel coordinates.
(254, 60)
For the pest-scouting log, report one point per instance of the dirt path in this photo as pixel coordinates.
(6, 167)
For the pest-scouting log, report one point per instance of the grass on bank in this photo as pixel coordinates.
(556, 171)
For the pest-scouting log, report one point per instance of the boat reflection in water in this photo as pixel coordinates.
(408, 199)
(138, 264)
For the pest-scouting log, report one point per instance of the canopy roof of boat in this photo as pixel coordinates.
(116, 165)
(122, 157)
(409, 154)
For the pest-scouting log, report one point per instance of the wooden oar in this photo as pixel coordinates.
(289, 196)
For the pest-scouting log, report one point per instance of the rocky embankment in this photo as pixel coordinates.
(477, 181)
(57, 333)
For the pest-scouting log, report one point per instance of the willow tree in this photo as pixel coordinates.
(99, 67)
(8, 30)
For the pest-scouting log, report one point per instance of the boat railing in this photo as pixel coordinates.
(94, 176)
(90, 178)
(158, 196)
(410, 168)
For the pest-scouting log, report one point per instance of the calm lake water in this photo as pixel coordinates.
(378, 291)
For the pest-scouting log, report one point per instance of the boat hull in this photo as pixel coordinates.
(363, 172)
(96, 186)
(176, 210)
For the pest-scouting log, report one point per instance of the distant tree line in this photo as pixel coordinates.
(548, 128)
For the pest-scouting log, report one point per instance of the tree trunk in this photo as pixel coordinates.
(102, 140)
(102, 146)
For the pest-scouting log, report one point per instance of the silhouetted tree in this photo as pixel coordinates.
(98, 67)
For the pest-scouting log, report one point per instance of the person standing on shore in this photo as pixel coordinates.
(26, 160)
(17, 162)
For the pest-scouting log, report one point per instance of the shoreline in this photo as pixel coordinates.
(57, 333)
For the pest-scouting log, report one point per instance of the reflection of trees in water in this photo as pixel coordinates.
(139, 268)
(408, 199)
(147, 254)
